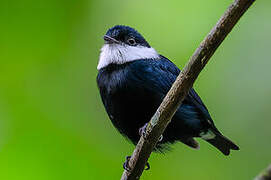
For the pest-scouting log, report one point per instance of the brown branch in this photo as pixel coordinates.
(265, 175)
(181, 86)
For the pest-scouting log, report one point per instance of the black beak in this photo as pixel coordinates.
(110, 40)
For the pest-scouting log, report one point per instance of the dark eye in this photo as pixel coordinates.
(131, 41)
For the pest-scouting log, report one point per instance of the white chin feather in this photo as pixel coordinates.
(121, 53)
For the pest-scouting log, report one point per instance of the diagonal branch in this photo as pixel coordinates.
(181, 86)
(265, 175)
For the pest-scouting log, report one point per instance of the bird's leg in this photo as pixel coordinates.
(142, 132)
(126, 164)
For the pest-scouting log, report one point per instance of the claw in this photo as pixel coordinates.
(142, 130)
(148, 166)
(126, 164)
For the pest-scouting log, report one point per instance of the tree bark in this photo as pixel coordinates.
(181, 86)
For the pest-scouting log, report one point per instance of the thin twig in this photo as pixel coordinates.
(265, 175)
(181, 86)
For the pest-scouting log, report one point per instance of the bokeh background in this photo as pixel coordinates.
(53, 125)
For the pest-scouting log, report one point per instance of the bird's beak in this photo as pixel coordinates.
(110, 40)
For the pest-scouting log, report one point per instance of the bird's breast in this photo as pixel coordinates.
(128, 104)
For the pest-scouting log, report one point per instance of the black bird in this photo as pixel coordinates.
(133, 79)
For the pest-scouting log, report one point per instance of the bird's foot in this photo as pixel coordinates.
(126, 164)
(142, 132)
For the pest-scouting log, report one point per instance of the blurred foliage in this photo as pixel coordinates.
(52, 123)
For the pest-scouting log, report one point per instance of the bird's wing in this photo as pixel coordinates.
(158, 75)
(194, 97)
(161, 74)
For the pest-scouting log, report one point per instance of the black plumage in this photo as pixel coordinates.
(132, 91)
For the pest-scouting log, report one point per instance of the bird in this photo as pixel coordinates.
(133, 79)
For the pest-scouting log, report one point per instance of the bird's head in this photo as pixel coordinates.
(125, 36)
(124, 44)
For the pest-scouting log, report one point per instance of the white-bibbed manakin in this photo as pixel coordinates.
(133, 79)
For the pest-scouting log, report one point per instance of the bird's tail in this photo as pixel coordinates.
(219, 141)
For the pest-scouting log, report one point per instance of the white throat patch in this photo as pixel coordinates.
(121, 53)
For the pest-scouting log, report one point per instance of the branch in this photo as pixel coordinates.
(181, 86)
(265, 175)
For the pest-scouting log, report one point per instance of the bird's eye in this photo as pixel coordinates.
(131, 41)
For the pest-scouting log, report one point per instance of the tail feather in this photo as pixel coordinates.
(191, 142)
(222, 143)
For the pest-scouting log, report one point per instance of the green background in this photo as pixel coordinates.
(53, 125)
